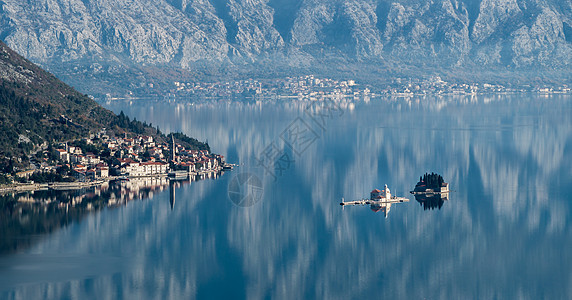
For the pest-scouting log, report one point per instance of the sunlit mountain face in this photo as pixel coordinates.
(507, 160)
(103, 46)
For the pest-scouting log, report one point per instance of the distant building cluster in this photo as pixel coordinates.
(299, 87)
(310, 86)
(435, 85)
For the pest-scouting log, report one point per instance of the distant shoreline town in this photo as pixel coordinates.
(101, 158)
(313, 87)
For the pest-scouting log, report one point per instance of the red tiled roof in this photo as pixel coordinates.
(153, 163)
(126, 160)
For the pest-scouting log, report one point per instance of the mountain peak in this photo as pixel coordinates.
(73, 38)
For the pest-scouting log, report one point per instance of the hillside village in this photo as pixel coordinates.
(100, 157)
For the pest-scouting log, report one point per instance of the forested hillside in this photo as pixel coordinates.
(37, 109)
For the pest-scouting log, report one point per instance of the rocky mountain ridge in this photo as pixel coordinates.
(102, 38)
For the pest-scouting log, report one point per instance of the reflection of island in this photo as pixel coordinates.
(431, 191)
(378, 201)
(25, 217)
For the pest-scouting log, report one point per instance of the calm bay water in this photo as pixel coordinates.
(505, 231)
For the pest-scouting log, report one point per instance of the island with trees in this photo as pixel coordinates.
(431, 191)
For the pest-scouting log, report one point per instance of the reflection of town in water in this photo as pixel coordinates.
(25, 216)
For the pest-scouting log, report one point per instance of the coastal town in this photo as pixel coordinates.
(101, 157)
(437, 86)
(308, 86)
(315, 87)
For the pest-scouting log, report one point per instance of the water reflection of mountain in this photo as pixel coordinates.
(26, 217)
(509, 161)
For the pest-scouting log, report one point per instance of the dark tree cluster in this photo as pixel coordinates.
(432, 180)
(192, 143)
(46, 178)
(16, 113)
(23, 116)
(5, 179)
(88, 148)
(123, 121)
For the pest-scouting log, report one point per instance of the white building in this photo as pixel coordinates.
(63, 155)
(153, 168)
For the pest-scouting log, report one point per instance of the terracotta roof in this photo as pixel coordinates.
(153, 163)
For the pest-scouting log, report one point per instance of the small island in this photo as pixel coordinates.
(379, 200)
(430, 184)
(431, 191)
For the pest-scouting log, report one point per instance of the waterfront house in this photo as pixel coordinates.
(132, 169)
(187, 166)
(90, 174)
(102, 171)
(79, 175)
(154, 168)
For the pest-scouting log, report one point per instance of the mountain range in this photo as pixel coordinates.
(128, 45)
